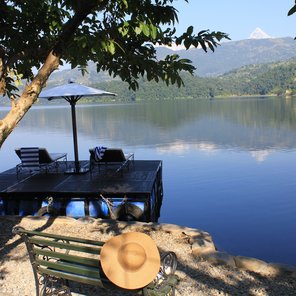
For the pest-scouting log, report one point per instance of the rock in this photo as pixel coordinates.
(255, 265)
(199, 235)
(202, 246)
(195, 233)
(220, 258)
(171, 228)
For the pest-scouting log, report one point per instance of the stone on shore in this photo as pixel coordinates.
(202, 246)
(200, 242)
(220, 258)
(255, 265)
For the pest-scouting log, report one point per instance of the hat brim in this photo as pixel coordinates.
(118, 274)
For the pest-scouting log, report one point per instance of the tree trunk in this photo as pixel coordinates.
(29, 96)
(2, 80)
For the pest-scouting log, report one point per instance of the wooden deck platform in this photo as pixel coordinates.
(142, 182)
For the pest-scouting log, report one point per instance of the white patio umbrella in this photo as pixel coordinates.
(72, 93)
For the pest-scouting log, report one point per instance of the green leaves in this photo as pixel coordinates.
(124, 29)
(111, 47)
(292, 10)
(205, 39)
(108, 46)
(138, 30)
(118, 35)
(147, 29)
(189, 30)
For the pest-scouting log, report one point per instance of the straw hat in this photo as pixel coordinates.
(130, 260)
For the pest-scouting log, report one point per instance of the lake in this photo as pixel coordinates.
(229, 165)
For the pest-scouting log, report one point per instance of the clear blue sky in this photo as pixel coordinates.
(238, 18)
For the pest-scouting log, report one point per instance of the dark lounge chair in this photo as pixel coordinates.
(37, 159)
(112, 157)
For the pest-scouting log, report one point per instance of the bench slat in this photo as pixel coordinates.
(73, 269)
(60, 237)
(67, 257)
(62, 245)
(71, 277)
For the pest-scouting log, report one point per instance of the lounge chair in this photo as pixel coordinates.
(36, 159)
(111, 156)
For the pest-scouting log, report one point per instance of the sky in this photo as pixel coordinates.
(238, 18)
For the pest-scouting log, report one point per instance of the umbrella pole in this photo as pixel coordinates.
(75, 141)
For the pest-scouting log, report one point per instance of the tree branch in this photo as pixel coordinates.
(85, 8)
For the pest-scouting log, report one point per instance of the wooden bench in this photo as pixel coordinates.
(58, 261)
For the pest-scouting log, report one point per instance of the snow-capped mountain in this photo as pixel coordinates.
(259, 34)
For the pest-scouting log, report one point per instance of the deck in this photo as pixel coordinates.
(141, 182)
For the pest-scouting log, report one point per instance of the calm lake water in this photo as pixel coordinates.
(229, 164)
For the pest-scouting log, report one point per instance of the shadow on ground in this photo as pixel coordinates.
(197, 277)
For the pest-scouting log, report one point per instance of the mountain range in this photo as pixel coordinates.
(227, 57)
(235, 54)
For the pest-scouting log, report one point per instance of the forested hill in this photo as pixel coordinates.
(263, 79)
(246, 67)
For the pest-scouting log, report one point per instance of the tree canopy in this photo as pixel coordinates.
(118, 35)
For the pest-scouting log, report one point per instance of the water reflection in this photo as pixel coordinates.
(229, 164)
(248, 124)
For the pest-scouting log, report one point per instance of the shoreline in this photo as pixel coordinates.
(202, 269)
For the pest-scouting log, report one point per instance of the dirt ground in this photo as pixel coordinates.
(196, 276)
